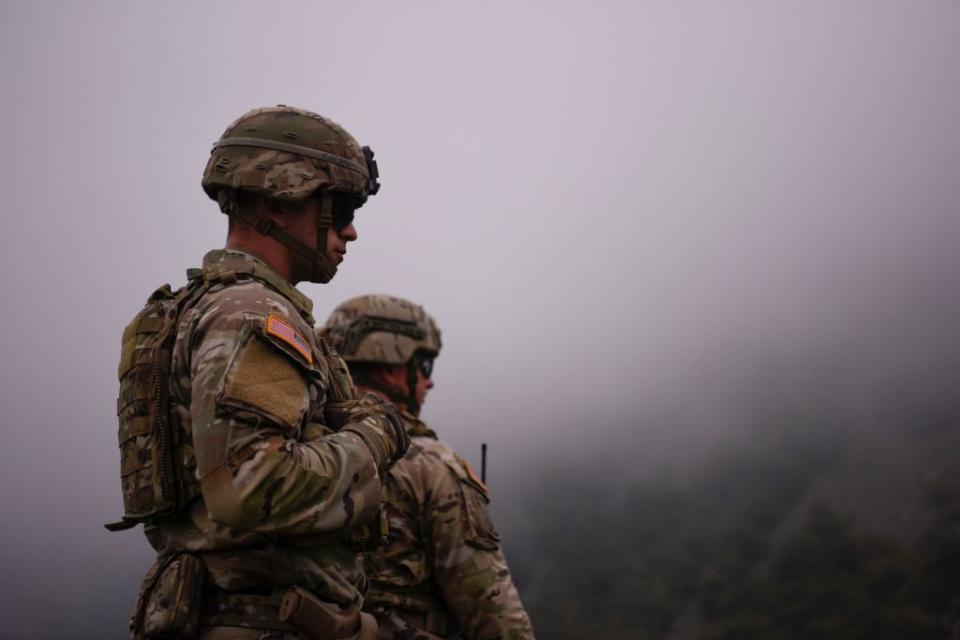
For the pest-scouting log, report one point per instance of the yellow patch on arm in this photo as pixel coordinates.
(263, 379)
(473, 476)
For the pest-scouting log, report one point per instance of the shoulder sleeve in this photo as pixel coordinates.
(478, 527)
(241, 371)
(252, 392)
(466, 558)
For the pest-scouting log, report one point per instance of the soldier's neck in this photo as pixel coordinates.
(271, 252)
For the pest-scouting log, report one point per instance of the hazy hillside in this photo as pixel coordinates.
(834, 512)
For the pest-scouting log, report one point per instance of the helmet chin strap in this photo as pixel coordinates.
(412, 403)
(321, 269)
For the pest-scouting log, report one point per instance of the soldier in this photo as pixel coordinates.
(245, 451)
(441, 573)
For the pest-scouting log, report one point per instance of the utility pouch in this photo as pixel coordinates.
(175, 603)
(317, 619)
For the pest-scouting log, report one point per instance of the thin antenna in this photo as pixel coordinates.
(483, 463)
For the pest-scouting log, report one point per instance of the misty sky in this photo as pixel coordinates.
(605, 205)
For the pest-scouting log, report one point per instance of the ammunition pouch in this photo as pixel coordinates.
(170, 604)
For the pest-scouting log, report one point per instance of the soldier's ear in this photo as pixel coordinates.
(390, 374)
(273, 210)
(279, 212)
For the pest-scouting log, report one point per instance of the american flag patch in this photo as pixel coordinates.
(277, 326)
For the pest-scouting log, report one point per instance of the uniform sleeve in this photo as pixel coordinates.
(468, 563)
(249, 399)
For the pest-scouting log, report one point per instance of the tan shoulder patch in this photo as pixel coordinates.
(262, 379)
(479, 531)
(472, 475)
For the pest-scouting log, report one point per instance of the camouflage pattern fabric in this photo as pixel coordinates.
(281, 489)
(383, 329)
(239, 633)
(287, 174)
(442, 573)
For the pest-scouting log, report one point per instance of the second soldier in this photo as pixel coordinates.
(441, 573)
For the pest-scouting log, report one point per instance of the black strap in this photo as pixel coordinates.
(121, 525)
(266, 227)
(323, 271)
(412, 405)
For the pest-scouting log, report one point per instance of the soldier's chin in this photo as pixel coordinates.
(322, 274)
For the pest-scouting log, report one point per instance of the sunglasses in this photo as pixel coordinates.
(425, 364)
(343, 210)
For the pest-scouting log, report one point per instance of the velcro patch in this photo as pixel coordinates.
(277, 326)
(263, 378)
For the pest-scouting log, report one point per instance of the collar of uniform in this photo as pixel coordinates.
(224, 260)
(415, 426)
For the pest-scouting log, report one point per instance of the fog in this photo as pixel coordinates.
(635, 223)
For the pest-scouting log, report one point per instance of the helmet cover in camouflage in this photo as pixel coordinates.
(381, 328)
(287, 153)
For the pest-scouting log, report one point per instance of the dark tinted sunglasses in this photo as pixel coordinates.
(425, 364)
(343, 210)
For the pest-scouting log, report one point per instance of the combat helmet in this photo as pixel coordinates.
(291, 154)
(381, 329)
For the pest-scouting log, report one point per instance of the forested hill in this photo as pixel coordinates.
(835, 513)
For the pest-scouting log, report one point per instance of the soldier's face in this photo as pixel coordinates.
(395, 376)
(342, 232)
(424, 384)
(304, 227)
(337, 240)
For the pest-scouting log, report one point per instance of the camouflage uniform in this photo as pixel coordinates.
(279, 476)
(442, 572)
(273, 474)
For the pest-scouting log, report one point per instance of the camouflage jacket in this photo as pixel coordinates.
(442, 573)
(280, 490)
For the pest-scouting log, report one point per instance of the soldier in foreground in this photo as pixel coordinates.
(246, 452)
(442, 573)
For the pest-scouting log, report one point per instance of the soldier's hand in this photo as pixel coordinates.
(377, 422)
(314, 431)
(337, 413)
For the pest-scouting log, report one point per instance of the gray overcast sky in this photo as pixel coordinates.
(602, 203)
